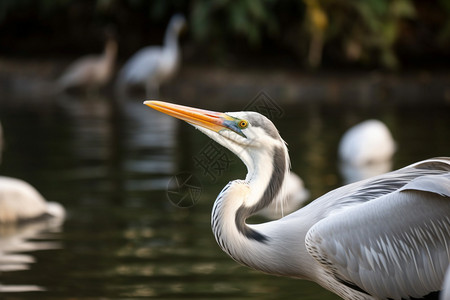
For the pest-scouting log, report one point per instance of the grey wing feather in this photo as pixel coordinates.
(439, 184)
(394, 246)
(445, 293)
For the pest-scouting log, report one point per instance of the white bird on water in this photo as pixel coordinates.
(153, 65)
(369, 142)
(92, 71)
(386, 237)
(19, 201)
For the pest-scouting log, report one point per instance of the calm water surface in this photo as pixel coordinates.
(110, 166)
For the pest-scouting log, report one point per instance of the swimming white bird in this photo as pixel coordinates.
(19, 201)
(386, 237)
(92, 71)
(295, 195)
(366, 143)
(153, 65)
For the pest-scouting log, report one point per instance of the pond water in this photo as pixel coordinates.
(110, 165)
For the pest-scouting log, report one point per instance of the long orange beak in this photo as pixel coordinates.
(205, 118)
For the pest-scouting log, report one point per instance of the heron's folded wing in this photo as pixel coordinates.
(437, 184)
(396, 246)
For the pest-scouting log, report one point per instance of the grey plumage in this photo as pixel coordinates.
(385, 237)
(393, 246)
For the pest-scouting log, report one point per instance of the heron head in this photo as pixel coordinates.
(177, 23)
(247, 134)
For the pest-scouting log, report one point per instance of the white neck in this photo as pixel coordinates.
(260, 167)
(110, 51)
(240, 199)
(223, 223)
(171, 39)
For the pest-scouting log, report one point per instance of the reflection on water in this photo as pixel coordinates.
(139, 142)
(150, 140)
(19, 288)
(18, 242)
(110, 164)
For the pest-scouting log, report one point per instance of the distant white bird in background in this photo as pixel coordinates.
(295, 195)
(365, 151)
(153, 65)
(366, 143)
(92, 71)
(19, 201)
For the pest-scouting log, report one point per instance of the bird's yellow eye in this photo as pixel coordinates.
(242, 124)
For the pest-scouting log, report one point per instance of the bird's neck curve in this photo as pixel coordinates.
(242, 198)
(110, 52)
(266, 172)
(171, 39)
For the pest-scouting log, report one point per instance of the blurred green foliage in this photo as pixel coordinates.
(315, 32)
(246, 18)
(368, 30)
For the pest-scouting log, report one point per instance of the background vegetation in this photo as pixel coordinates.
(317, 33)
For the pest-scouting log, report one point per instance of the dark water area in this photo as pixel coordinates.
(110, 165)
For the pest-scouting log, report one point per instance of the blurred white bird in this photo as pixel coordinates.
(295, 195)
(153, 65)
(366, 143)
(90, 72)
(19, 201)
(365, 151)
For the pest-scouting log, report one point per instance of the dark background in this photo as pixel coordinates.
(373, 34)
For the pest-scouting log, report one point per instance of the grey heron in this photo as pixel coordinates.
(153, 65)
(19, 201)
(92, 71)
(386, 237)
(366, 143)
